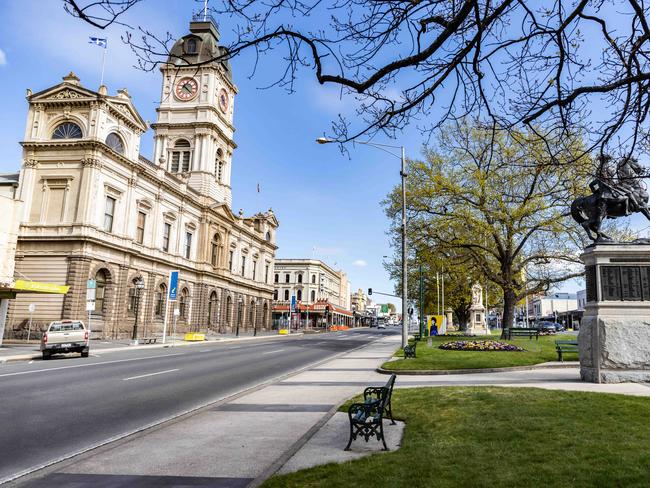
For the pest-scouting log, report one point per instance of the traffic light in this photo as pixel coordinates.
(369, 291)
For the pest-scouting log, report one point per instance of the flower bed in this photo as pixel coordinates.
(479, 346)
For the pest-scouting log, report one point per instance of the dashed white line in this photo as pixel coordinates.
(274, 351)
(205, 350)
(150, 374)
(89, 364)
(30, 362)
(236, 347)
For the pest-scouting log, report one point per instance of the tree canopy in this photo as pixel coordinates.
(567, 66)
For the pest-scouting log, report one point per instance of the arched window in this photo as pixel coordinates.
(286, 295)
(275, 295)
(161, 295)
(277, 278)
(300, 278)
(100, 291)
(268, 236)
(181, 155)
(219, 165)
(286, 278)
(115, 143)
(313, 279)
(251, 313)
(183, 303)
(229, 311)
(215, 250)
(67, 130)
(313, 295)
(212, 308)
(191, 46)
(299, 295)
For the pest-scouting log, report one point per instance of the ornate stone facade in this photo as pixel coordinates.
(96, 209)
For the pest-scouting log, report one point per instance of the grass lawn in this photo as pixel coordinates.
(502, 437)
(537, 351)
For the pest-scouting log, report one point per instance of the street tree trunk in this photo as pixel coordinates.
(509, 302)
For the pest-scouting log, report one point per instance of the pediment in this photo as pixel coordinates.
(63, 91)
(224, 211)
(126, 108)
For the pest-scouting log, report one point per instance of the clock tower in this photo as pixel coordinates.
(194, 128)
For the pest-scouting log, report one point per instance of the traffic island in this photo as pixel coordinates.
(432, 359)
(513, 436)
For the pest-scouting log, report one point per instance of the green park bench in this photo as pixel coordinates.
(409, 350)
(367, 418)
(565, 346)
(521, 332)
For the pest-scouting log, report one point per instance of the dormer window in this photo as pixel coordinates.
(190, 46)
(181, 156)
(115, 143)
(67, 130)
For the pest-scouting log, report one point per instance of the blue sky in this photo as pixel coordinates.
(327, 203)
(324, 200)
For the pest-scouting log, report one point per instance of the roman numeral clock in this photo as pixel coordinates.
(186, 89)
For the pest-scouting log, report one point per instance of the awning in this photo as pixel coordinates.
(24, 286)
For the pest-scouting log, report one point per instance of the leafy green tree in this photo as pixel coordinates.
(495, 202)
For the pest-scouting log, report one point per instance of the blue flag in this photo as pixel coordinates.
(100, 42)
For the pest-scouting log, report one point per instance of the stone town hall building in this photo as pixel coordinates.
(94, 208)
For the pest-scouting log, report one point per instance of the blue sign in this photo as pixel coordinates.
(173, 285)
(293, 303)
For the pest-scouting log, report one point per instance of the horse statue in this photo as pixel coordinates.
(617, 192)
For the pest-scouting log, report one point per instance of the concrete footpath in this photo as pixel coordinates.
(286, 425)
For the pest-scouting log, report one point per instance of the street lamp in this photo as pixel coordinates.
(240, 301)
(139, 286)
(385, 147)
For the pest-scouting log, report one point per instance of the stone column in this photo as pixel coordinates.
(4, 305)
(74, 302)
(614, 336)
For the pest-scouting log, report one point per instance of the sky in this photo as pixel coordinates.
(328, 203)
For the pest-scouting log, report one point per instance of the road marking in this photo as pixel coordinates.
(90, 364)
(271, 352)
(150, 374)
(205, 350)
(236, 347)
(30, 362)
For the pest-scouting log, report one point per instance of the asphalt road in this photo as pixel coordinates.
(52, 409)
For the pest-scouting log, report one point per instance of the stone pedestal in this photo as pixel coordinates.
(614, 337)
(449, 313)
(477, 324)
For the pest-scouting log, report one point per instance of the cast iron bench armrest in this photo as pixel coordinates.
(565, 346)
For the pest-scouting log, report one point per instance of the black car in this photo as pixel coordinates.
(545, 326)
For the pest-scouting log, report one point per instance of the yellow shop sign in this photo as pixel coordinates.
(36, 287)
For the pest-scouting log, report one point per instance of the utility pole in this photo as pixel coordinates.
(421, 303)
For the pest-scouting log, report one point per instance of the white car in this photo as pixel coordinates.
(381, 326)
(65, 336)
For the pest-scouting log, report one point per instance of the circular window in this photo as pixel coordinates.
(115, 143)
(67, 130)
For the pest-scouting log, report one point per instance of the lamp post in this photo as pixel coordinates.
(257, 303)
(240, 302)
(402, 157)
(139, 286)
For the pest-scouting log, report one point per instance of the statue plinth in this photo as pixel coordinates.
(614, 337)
(477, 323)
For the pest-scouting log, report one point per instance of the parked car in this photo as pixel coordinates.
(545, 326)
(381, 325)
(559, 327)
(65, 336)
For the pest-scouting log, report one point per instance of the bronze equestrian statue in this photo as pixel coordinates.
(617, 192)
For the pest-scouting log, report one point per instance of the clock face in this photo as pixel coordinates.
(186, 89)
(224, 101)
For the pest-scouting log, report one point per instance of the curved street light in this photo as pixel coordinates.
(402, 157)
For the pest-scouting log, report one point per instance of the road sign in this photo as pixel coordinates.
(293, 303)
(32, 307)
(91, 292)
(91, 284)
(173, 285)
(90, 305)
(177, 312)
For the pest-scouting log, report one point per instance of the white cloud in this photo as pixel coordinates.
(360, 263)
(3, 58)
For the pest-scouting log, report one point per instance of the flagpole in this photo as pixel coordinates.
(101, 81)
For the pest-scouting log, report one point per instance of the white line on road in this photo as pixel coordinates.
(150, 374)
(205, 350)
(90, 364)
(271, 352)
(236, 347)
(30, 362)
